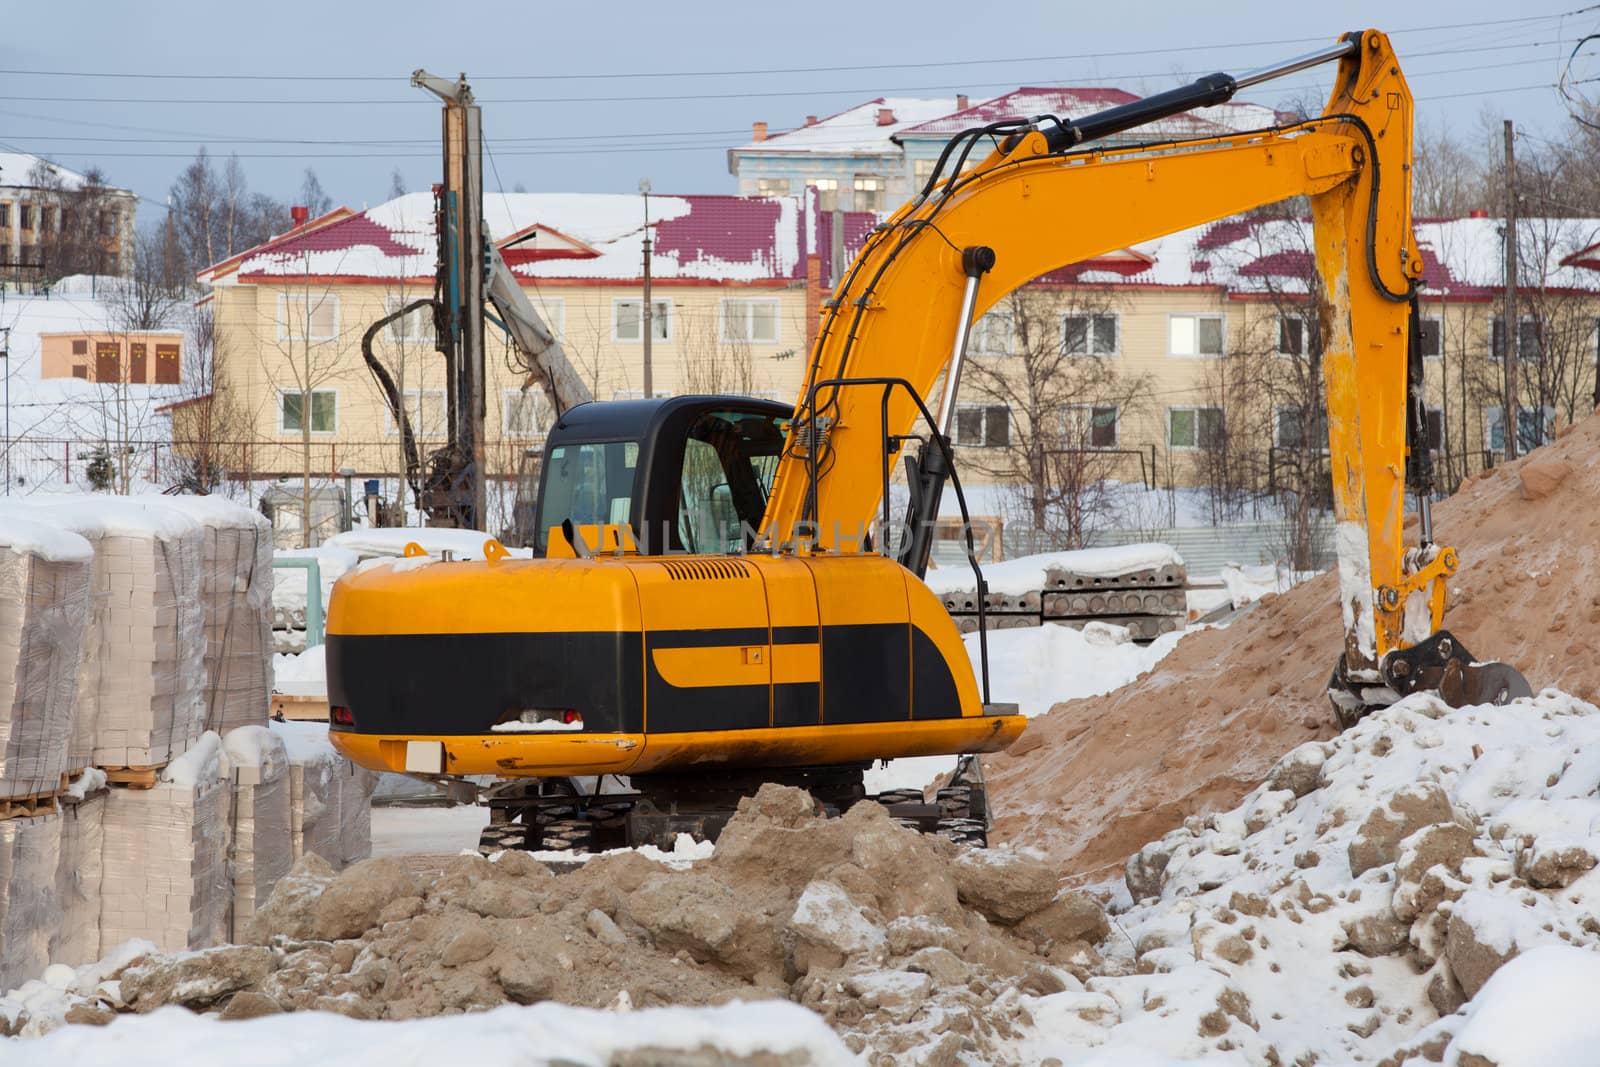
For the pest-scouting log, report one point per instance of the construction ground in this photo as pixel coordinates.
(1190, 863)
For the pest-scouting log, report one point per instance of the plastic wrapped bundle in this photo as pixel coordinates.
(355, 786)
(166, 856)
(236, 583)
(258, 767)
(44, 605)
(330, 798)
(30, 915)
(143, 673)
(79, 871)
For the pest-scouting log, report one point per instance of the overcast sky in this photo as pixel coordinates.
(593, 96)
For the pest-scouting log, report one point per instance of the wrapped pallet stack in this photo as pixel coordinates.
(44, 604)
(330, 799)
(30, 914)
(143, 670)
(166, 874)
(236, 583)
(80, 869)
(258, 768)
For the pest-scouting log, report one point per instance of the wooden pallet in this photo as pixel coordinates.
(134, 777)
(32, 804)
(299, 708)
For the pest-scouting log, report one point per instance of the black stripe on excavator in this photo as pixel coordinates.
(455, 684)
(461, 684)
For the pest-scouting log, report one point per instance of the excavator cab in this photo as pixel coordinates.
(682, 475)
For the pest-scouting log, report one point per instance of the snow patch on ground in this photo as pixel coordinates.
(1025, 574)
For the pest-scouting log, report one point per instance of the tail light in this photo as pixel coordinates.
(340, 716)
(570, 716)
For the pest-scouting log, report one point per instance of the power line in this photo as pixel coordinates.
(834, 69)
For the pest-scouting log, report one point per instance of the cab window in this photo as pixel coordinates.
(590, 483)
(729, 461)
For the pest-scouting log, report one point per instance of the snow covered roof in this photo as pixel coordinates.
(16, 169)
(858, 130)
(590, 236)
(1075, 102)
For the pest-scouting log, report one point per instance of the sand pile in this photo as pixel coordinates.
(1094, 779)
(909, 946)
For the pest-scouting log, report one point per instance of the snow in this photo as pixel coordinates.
(255, 746)
(684, 853)
(302, 675)
(392, 541)
(1014, 577)
(304, 742)
(543, 1034)
(1249, 583)
(855, 129)
(91, 780)
(16, 169)
(1537, 1011)
(202, 762)
(117, 516)
(1035, 668)
(401, 831)
(543, 726)
(24, 533)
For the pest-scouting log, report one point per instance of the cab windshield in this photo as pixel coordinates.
(590, 483)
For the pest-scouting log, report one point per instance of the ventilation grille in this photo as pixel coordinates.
(699, 570)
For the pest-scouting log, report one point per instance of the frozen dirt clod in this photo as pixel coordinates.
(1102, 776)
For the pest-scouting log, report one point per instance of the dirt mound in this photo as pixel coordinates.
(1095, 779)
(875, 927)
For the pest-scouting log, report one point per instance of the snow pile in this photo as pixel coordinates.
(1034, 668)
(1383, 877)
(1026, 574)
(44, 612)
(545, 1035)
(305, 674)
(392, 541)
(1249, 583)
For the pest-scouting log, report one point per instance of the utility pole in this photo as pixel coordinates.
(463, 276)
(649, 307)
(1509, 421)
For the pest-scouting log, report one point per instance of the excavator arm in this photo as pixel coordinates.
(1040, 201)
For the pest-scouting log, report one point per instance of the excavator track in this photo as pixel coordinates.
(554, 817)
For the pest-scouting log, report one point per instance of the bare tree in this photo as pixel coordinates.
(313, 196)
(80, 223)
(1045, 399)
(715, 357)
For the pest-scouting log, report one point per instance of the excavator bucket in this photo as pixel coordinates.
(1440, 665)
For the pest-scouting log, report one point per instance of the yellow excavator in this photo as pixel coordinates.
(723, 597)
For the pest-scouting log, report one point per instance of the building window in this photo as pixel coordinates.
(869, 193)
(1295, 335)
(1431, 330)
(5, 215)
(1530, 339)
(168, 370)
(1194, 335)
(425, 410)
(1193, 427)
(80, 347)
(983, 426)
(626, 324)
(636, 394)
(525, 413)
(774, 186)
(25, 216)
(995, 334)
(827, 192)
(1091, 425)
(1089, 334)
(415, 327)
(1435, 430)
(1290, 429)
(921, 171)
(748, 319)
(47, 216)
(1534, 428)
(324, 411)
(308, 317)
